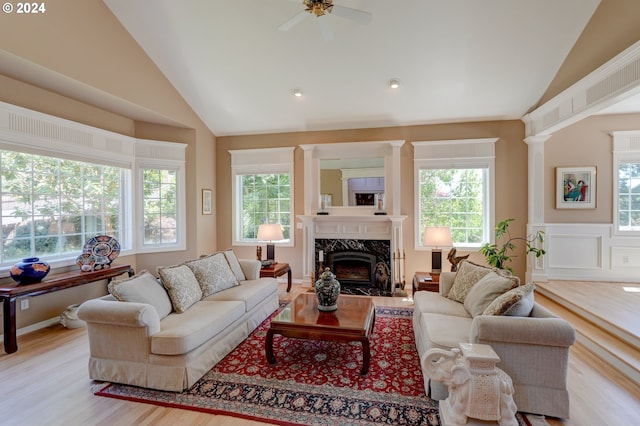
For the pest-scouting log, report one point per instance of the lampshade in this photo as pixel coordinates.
(270, 232)
(437, 236)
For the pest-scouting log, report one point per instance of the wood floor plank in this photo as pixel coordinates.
(46, 383)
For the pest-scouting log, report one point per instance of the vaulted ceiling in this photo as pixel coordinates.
(456, 60)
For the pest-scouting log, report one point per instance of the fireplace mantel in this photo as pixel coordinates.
(350, 222)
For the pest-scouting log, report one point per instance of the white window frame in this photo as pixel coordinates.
(626, 149)
(259, 161)
(456, 154)
(32, 132)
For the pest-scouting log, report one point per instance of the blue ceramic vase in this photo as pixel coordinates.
(327, 290)
(30, 270)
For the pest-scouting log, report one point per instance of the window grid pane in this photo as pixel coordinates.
(453, 198)
(160, 192)
(265, 199)
(50, 206)
(629, 196)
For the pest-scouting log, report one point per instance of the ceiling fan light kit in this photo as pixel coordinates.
(297, 93)
(320, 8)
(394, 84)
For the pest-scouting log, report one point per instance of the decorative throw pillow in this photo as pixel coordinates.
(486, 290)
(234, 264)
(467, 275)
(182, 286)
(516, 302)
(142, 288)
(213, 274)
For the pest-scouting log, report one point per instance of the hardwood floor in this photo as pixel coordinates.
(46, 383)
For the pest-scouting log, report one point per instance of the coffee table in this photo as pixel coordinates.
(353, 320)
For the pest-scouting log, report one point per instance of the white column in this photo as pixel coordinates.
(536, 191)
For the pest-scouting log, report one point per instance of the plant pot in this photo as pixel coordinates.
(30, 270)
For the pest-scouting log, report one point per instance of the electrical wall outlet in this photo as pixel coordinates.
(24, 304)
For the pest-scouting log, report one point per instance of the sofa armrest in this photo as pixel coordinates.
(251, 268)
(446, 281)
(522, 330)
(120, 314)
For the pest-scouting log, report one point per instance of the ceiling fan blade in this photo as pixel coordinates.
(293, 21)
(325, 29)
(359, 16)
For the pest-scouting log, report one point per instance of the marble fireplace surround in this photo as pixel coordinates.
(380, 236)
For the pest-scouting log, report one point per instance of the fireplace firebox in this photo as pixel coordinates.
(358, 264)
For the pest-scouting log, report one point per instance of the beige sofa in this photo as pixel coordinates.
(147, 343)
(532, 343)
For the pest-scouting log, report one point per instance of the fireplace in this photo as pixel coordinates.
(353, 268)
(358, 264)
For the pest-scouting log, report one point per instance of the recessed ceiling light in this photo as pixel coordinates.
(297, 93)
(394, 84)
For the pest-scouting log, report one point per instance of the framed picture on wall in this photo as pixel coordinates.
(576, 187)
(206, 201)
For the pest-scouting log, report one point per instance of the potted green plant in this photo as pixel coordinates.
(500, 256)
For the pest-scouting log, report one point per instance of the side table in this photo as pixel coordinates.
(425, 281)
(276, 270)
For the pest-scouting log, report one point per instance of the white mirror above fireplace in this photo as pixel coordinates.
(373, 167)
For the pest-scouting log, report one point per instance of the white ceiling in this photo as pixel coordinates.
(457, 60)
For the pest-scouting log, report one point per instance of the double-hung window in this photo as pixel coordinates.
(62, 183)
(455, 190)
(262, 190)
(626, 179)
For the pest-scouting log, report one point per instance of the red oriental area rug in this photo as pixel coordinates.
(312, 383)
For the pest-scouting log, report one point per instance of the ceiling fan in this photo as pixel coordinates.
(319, 8)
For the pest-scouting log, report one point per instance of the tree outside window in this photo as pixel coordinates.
(454, 198)
(266, 198)
(629, 196)
(51, 206)
(160, 191)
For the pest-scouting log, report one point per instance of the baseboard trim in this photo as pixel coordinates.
(35, 327)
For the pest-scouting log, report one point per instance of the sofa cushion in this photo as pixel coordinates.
(250, 292)
(180, 334)
(445, 331)
(427, 301)
(213, 273)
(467, 275)
(182, 286)
(486, 290)
(516, 302)
(142, 288)
(234, 264)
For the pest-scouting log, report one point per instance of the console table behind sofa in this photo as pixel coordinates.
(9, 293)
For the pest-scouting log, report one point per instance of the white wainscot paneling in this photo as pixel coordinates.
(627, 258)
(589, 252)
(575, 251)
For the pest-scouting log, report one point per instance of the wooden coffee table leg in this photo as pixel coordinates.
(268, 347)
(366, 356)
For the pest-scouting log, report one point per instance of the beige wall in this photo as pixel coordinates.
(77, 62)
(587, 143)
(331, 183)
(511, 179)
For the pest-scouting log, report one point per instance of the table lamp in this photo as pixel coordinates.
(270, 232)
(437, 237)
